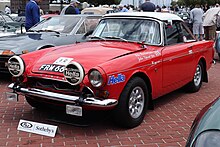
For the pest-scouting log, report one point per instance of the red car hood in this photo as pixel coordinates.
(88, 54)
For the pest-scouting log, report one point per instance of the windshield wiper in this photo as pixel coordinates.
(96, 37)
(48, 31)
(114, 37)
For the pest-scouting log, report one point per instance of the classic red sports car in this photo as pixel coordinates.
(130, 60)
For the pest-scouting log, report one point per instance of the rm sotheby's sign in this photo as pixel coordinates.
(37, 128)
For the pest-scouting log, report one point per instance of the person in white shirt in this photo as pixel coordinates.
(196, 19)
(209, 22)
(7, 10)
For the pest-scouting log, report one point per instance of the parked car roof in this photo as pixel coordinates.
(156, 15)
(97, 10)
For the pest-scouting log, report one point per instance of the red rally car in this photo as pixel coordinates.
(130, 60)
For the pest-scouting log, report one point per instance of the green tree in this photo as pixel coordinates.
(193, 2)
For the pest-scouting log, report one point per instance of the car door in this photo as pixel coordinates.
(177, 56)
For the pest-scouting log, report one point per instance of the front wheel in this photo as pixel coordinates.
(132, 104)
(196, 83)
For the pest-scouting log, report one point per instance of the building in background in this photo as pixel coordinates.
(3, 3)
(19, 5)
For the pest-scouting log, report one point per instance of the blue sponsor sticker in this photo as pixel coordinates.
(116, 79)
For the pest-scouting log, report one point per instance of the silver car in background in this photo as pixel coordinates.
(53, 31)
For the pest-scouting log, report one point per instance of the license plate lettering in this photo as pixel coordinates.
(52, 68)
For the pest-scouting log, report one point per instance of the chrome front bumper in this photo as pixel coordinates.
(89, 101)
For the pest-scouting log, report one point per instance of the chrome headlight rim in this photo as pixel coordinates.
(81, 72)
(93, 74)
(21, 64)
(204, 137)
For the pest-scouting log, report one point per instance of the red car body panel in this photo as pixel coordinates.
(168, 68)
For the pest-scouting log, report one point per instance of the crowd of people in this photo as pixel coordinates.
(203, 19)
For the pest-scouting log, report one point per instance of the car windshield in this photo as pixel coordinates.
(137, 30)
(57, 24)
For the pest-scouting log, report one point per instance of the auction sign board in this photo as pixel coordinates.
(37, 128)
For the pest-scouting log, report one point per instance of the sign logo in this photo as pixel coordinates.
(116, 79)
(26, 125)
(37, 128)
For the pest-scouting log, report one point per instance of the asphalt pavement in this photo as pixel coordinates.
(167, 125)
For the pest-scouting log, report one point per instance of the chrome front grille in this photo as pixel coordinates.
(53, 85)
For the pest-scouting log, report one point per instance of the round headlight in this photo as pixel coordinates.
(95, 78)
(16, 66)
(208, 138)
(74, 73)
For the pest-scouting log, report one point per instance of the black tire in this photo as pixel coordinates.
(219, 56)
(196, 82)
(123, 115)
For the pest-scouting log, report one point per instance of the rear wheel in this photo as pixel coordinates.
(132, 104)
(196, 83)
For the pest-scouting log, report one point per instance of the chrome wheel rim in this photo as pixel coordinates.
(136, 102)
(198, 75)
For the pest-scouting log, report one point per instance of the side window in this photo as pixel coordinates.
(173, 33)
(186, 33)
(91, 23)
(88, 25)
(82, 29)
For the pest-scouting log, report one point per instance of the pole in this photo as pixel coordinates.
(61, 5)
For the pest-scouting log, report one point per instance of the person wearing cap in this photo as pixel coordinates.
(32, 14)
(71, 8)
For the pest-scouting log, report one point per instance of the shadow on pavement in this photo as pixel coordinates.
(5, 77)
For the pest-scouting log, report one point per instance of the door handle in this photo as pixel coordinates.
(190, 51)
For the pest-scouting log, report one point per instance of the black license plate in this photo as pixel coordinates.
(52, 68)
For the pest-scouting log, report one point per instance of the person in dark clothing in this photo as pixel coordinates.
(71, 8)
(32, 14)
(158, 8)
(148, 6)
